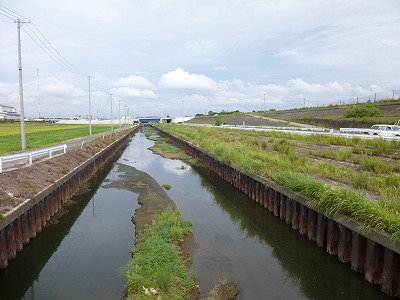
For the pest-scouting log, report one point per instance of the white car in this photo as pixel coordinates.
(384, 130)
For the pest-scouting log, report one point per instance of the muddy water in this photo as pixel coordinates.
(79, 254)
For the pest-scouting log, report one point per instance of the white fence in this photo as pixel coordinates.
(30, 155)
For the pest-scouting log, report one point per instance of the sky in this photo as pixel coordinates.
(184, 57)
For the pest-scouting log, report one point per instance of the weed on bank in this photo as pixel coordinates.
(157, 269)
(339, 180)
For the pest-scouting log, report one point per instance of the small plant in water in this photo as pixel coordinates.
(167, 186)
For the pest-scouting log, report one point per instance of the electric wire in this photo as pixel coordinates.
(41, 41)
(98, 86)
(13, 13)
(49, 54)
(6, 16)
(58, 53)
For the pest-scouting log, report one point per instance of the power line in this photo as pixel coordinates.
(62, 57)
(98, 86)
(13, 13)
(51, 55)
(42, 42)
(6, 15)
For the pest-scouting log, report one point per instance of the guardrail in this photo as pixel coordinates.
(355, 130)
(30, 155)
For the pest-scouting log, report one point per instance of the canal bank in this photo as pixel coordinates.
(371, 253)
(22, 223)
(235, 239)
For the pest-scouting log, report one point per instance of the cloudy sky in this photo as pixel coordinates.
(160, 57)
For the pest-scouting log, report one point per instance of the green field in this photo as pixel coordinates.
(42, 134)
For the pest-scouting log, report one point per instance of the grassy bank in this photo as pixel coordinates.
(157, 269)
(356, 177)
(42, 134)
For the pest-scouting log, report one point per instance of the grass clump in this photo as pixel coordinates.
(167, 186)
(163, 147)
(225, 289)
(156, 263)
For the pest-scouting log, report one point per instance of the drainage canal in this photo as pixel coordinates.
(78, 255)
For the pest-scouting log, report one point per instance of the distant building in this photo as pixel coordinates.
(8, 113)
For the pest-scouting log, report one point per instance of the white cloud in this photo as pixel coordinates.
(224, 54)
(289, 54)
(220, 68)
(180, 79)
(135, 81)
(131, 92)
(139, 55)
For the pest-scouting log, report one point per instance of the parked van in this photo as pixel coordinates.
(384, 130)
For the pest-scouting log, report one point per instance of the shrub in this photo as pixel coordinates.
(361, 112)
(220, 122)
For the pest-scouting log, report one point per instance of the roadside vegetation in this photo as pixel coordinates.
(220, 122)
(361, 115)
(158, 269)
(42, 134)
(359, 178)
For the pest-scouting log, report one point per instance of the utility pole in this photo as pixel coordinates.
(38, 94)
(21, 93)
(119, 113)
(264, 102)
(182, 113)
(112, 128)
(90, 112)
(304, 102)
(127, 113)
(393, 95)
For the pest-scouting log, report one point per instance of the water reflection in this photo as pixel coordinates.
(77, 255)
(319, 275)
(24, 270)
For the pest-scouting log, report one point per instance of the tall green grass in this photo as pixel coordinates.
(276, 156)
(155, 261)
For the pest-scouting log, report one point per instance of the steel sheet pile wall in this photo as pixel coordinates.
(370, 253)
(28, 219)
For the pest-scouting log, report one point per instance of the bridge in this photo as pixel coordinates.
(155, 120)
